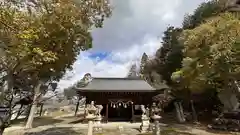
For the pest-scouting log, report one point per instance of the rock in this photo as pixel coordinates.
(228, 121)
(120, 128)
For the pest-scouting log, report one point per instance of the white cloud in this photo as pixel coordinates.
(168, 16)
(117, 64)
(132, 30)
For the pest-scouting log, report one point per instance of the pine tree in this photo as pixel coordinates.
(84, 81)
(133, 72)
(143, 64)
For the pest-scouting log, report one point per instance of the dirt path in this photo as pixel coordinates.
(109, 129)
(62, 125)
(198, 130)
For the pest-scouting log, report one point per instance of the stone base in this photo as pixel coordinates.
(151, 127)
(97, 124)
(156, 129)
(97, 129)
(145, 124)
(90, 116)
(144, 128)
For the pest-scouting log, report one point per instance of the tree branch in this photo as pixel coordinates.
(6, 25)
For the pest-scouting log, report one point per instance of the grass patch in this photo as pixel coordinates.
(58, 113)
(39, 121)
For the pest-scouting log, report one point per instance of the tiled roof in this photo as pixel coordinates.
(119, 84)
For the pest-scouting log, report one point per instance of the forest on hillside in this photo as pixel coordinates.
(199, 61)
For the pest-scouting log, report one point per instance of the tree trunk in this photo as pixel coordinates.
(1, 130)
(34, 106)
(178, 112)
(28, 111)
(1, 126)
(41, 109)
(76, 110)
(194, 113)
(19, 112)
(181, 112)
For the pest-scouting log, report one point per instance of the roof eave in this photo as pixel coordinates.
(102, 90)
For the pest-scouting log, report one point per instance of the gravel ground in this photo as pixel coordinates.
(108, 129)
(61, 126)
(78, 131)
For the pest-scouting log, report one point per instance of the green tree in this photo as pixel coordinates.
(167, 59)
(70, 92)
(204, 11)
(143, 63)
(170, 55)
(211, 60)
(84, 81)
(45, 40)
(133, 72)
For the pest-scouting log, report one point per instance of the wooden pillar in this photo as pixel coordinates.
(85, 107)
(106, 113)
(76, 110)
(85, 113)
(133, 119)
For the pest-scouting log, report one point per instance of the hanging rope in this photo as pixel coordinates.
(117, 103)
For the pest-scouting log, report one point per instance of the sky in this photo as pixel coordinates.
(135, 27)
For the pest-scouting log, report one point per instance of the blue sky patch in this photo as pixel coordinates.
(99, 56)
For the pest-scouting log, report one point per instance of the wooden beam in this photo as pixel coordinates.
(133, 119)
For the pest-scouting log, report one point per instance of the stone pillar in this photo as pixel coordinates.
(90, 127)
(90, 118)
(156, 130)
(91, 115)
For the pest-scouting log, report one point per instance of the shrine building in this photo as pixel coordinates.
(120, 97)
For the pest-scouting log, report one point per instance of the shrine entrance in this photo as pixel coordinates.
(120, 114)
(119, 97)
(120, 110)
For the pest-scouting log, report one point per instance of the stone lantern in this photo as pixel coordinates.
(155, 115)
(91, 111)
(98, 118)
(144, 127)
